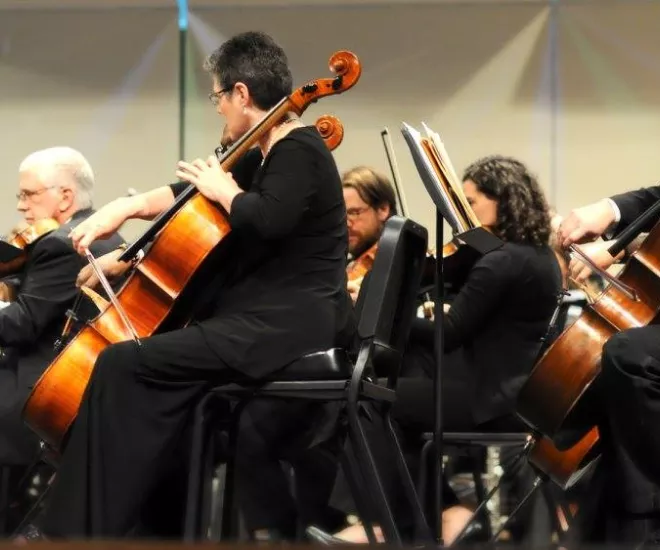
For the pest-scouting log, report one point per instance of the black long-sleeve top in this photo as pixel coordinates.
(281, 286)
(497, 321)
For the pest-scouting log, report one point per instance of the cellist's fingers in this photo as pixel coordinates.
(583, 274)
(87, 277)
(575, 266)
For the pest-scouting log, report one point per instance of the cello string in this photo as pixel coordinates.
(113, 298)
(576, 250)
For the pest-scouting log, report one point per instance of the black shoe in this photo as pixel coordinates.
(318, 536)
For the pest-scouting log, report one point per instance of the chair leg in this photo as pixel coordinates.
(369, 472)
(195, 471)
(365, 506)
(229, 527)
(517, 460)
(422, 478)
(207, 487)
(422, 529)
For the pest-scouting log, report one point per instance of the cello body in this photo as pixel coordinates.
(148, 297)
(556, 399)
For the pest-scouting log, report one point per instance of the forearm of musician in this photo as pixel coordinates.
(146, 206)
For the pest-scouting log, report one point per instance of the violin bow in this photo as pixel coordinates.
(396, 177)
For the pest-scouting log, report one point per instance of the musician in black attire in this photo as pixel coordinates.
(281, 295)
(273, 431)
(55, 183)
(494, 328)
(627, 390)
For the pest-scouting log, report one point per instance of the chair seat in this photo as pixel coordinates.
(332, 364)
(486, 439)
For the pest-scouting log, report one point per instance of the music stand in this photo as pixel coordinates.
(482, 242)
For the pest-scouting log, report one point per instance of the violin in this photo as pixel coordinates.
(360, 266)
(13, 247)
(153, 297)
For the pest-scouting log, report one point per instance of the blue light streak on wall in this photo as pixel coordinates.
(183, 14)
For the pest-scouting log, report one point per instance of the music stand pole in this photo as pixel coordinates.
(439, 314)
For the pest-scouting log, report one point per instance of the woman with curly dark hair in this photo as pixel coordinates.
(520, 214)
(493, 330)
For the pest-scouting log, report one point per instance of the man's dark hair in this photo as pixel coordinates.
(257, 61)
(372, 187)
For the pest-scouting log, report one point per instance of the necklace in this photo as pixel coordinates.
(272, 141)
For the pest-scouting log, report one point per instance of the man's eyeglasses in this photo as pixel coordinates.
(353, 213)
(214, 97)
(25, 194)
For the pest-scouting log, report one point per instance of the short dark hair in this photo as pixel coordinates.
(372, 187)
(522, 211)
(256, 60)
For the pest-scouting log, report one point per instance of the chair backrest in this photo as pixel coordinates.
(390, 302)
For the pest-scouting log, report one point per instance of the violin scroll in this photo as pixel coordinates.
(345, 65)
(331, 130)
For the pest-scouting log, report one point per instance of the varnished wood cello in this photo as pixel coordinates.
(556, 400)
(181, 239)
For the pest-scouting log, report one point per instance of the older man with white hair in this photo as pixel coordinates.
(55, 183)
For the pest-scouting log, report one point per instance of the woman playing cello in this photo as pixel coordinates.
(282, 295)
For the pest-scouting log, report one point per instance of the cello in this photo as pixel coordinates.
(557, 398)
(151, 299)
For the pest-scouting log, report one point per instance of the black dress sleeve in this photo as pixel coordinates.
(283, 196)
(473, 307)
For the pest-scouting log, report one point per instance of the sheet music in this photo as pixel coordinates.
(440, 146)
(430, 178)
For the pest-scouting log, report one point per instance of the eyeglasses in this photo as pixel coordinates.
(25, 194)
(214, 97)
(353, 213)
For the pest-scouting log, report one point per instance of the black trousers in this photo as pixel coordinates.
(622, 504)
(129, 435)
(274, 439)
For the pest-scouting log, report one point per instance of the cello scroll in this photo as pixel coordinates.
(331, 130)
(345, 65)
